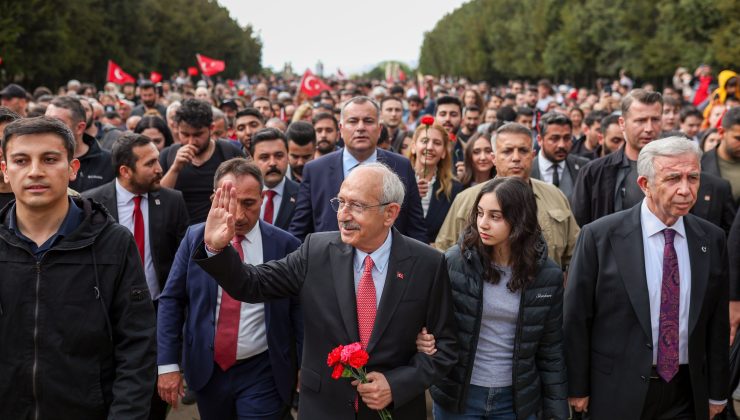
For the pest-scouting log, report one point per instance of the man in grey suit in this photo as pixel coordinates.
(554, 163)
(646, 303)
(366, 283)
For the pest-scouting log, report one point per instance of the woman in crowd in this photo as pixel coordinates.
(433, 166)
(471, 97)
(478, 161)
(710, 139)
(508, 302)
(156, 129)
(577, 115)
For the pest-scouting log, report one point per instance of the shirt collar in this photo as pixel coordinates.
(70, 223)
(546, 164)
(253, 234)
(279, 188)
(349, 162)
(124, 196)
(380, 256)
(651, 225)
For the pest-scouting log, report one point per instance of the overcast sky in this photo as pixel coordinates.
(347, 34)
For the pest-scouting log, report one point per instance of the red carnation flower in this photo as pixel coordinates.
(335, 356)
(427, 120)
(453, 137)
(337, 372)
(358, 359)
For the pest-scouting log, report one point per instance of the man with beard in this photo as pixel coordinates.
(588, 146)
(449, 115)
(301, 148)
(248, 121)
(190, 165)
(554, 163)
(611, 137)
(411, 119)
(156, 216)
(149, 100)
(471, 121)
(264, 106)
(95, 168)
(270, 153)
(391, 114)
(327, 133)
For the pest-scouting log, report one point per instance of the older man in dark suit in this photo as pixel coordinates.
(366, 283)
(646, 304)
(360, 128)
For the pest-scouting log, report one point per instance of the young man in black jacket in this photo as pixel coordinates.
(76, 320)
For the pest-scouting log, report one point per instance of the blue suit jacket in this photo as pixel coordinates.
(189, 300)
(321, 181)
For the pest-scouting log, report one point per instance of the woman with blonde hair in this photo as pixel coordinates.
(432, 163)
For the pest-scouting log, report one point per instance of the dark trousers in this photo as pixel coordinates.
(246, 391)
(672, 400)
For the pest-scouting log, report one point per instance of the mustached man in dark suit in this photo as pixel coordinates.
(646, 304)
(360, 128)
(156, 216)
(366, 283)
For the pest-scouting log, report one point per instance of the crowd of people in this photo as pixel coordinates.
(515, 251)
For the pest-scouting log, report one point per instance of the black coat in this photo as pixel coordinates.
(438, 208)
(77, 327)
(539, 376)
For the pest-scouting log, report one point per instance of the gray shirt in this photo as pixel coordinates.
(495, 353)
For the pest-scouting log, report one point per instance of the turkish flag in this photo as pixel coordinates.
(312, 85)
(117, 75)
(401, 75)
(192, 71)
(155, 77)
(209, 66)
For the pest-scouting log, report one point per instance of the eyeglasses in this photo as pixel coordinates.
(355, 208)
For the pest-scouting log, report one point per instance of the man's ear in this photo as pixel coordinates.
(392, 211)
(643, 182)
(74, 166)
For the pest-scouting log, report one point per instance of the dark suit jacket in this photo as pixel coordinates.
(168, 220)
(709, 162)
(438, 208)
(287, 205)
(714, 201)
(733, 249)
(322, 179)
(608, 335)
(416, 294)
(573, 164)
(189, 300)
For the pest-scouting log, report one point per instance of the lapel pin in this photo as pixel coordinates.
(703, 249)
(156, 201)
(292, 199)
(707, 198)
(399, 275)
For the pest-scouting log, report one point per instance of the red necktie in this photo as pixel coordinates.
(366, 303)
(227, 330)
(269, 206)
(139, 227)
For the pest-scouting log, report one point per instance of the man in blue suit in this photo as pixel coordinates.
(240, 359)
(360, 128)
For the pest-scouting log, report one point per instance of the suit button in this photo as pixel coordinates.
(649, 345)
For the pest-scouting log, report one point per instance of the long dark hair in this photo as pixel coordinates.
(469, 175)
(154, 121)
(519, 209)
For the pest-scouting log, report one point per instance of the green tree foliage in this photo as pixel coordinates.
(581, 40)
(50, 41)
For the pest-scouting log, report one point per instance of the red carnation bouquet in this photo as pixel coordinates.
(349, 362)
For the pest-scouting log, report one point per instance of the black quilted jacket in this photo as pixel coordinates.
(539, 376)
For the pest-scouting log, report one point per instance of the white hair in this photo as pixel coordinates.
(393, 190)
(667, 147)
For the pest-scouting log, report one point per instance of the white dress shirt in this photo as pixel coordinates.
(546, 169)
(381, 257)
(653, 242)
(252, 338)
(125, 204)
(276, 200)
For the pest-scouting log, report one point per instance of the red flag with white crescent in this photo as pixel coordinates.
(155, 77)
(117, 75)
(312, 85)
(210, 66)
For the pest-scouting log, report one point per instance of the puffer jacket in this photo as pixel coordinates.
(539, 376)
(77, 327)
